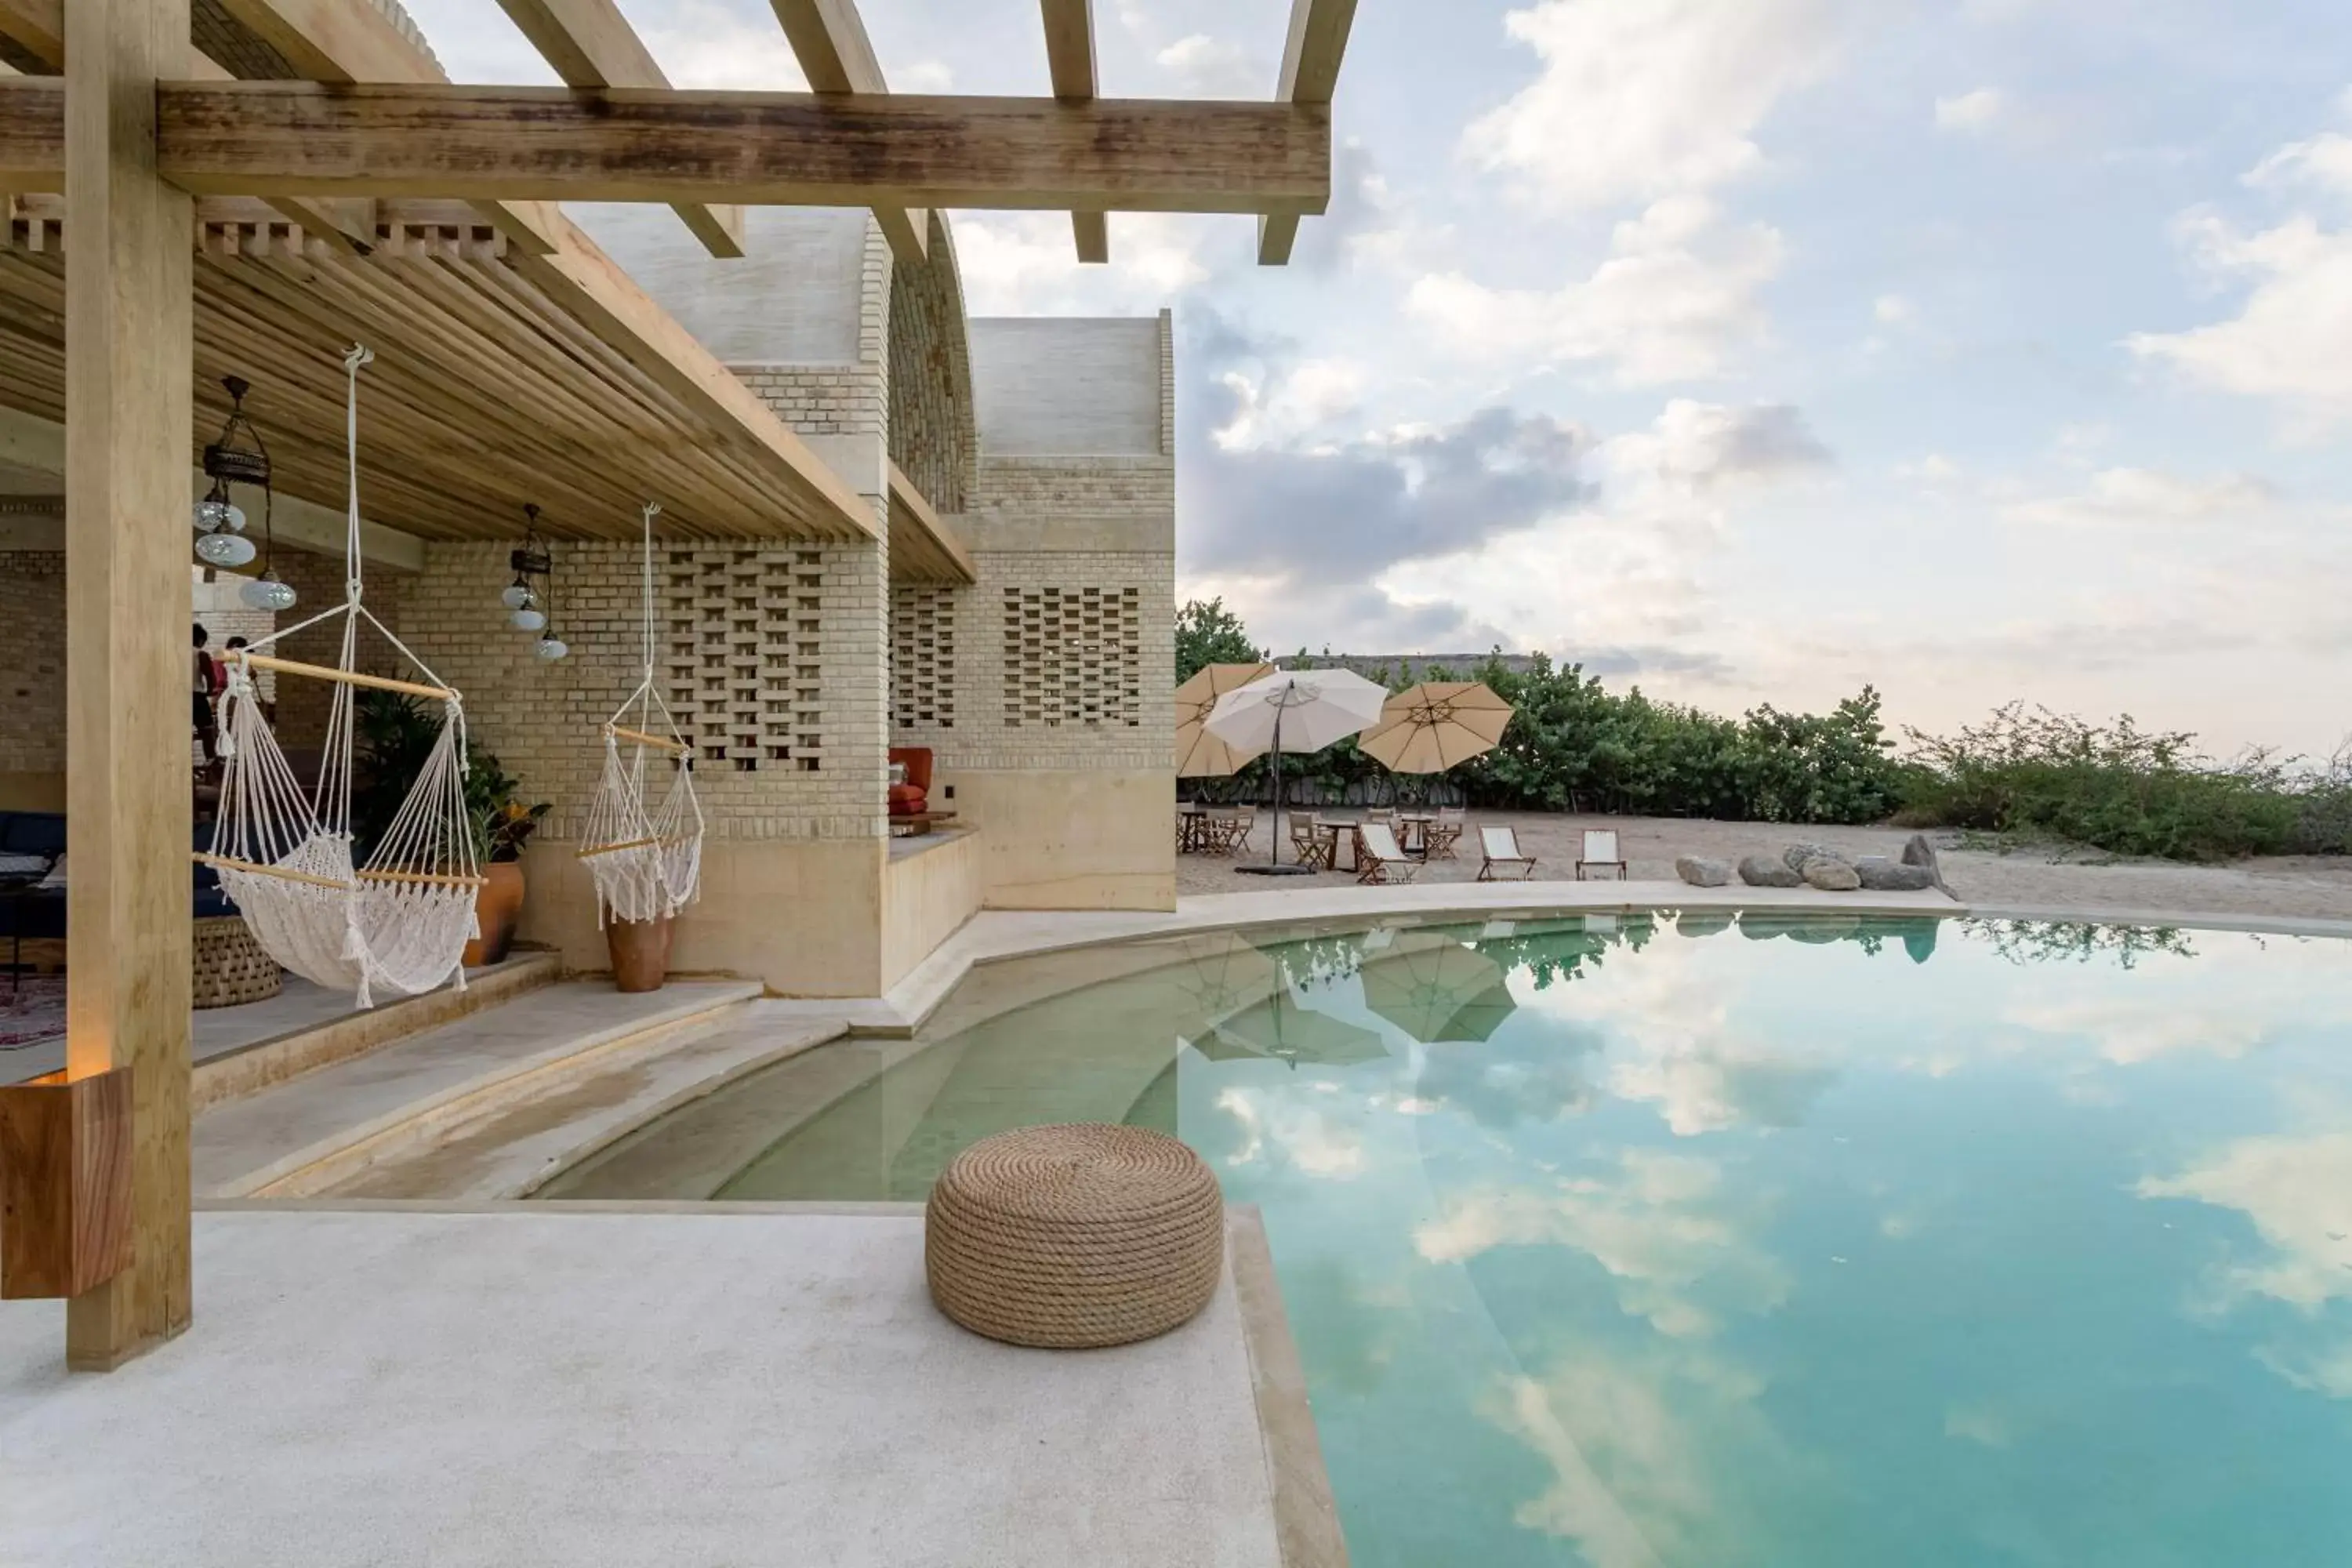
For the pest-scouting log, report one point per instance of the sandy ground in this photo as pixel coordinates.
(2035, 878)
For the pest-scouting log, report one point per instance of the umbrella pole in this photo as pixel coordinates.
(1274, 831)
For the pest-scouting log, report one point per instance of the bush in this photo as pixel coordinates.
(2123, 789)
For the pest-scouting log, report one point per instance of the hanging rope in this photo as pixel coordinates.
(646, 863)
(400, 922)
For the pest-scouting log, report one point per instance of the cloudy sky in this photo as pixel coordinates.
(1751, 349)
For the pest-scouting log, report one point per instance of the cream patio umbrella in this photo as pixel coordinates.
(1436, 988)
(1200, 754)
(1293, 711)
(1428, 728)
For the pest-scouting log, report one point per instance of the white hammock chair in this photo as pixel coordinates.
(646, 862)
(398, 923)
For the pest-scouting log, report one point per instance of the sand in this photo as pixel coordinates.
(2026, 878)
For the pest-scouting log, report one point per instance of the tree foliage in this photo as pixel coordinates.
(1207, 633)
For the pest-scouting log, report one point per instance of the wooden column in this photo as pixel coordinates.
(130, 358)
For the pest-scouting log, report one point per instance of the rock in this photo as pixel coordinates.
(1823, 931)
(1832, 875)
(1919, 852)
(1796, 855)
(1694, 924)
(1764, 872)
(1880, 875)
(1703, 873)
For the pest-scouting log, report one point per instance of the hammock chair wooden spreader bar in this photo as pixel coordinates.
(399, 923)
(646, 863)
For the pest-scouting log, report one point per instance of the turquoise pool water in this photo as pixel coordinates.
(1623, 1243)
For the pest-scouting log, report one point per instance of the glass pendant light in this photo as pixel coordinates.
(517, 596)
(224, 550)
(527, 620)
(552, 648)
(267, 593)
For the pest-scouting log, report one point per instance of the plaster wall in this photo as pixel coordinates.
(1066, 386)
(930, 885)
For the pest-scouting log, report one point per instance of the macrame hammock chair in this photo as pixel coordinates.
(400, 922)
(646, 862)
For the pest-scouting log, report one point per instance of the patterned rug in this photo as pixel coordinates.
(32, 1009)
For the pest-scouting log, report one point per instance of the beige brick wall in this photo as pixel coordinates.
(768, 655)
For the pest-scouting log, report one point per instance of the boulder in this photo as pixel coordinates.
(1919, 852)
(1796, 855)
(1692, 923)
(1880, 875)
(1703, 873)
(1764, 872)
(1832, 875)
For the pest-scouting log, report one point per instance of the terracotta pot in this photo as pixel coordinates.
(497, 910)
(640, 951)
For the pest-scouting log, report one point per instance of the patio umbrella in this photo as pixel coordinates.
(1428, 728)
(1279, 1029)
(1200, 754)
(1434, 989)
(1294, 710)
(1224, 975)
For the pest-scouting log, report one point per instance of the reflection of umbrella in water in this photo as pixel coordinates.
(1223, 975)
(1436, 989)
(1279, 1029)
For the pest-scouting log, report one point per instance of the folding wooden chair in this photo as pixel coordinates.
(1601, 853)
(1500, 848)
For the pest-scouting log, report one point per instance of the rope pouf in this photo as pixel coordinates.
(229, 967)
(1076, 1235)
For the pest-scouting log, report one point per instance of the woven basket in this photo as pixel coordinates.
(230, 967)
(1073, 1237)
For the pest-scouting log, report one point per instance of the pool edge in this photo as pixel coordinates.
(1305, 1518)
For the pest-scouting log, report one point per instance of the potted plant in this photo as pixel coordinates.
(396, 735)
(502, 825)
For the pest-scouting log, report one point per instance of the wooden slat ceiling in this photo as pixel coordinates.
(485, 394)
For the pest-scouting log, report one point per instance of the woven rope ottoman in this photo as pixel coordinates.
(229, 966)
(1073, 1237)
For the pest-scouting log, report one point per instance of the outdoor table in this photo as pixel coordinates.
(1190, 819)
(1412, 831)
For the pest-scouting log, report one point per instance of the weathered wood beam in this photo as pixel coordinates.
(491, 143)
(828, 37)
(590, 44)
(1310, 74)
(130, 350)
(36, 29)
(352, 41)
(938, 555)
(32, 133)
(1070, 55)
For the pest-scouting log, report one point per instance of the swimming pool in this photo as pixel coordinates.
(1626, 1242)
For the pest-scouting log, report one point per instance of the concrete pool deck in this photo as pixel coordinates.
(626, 1385)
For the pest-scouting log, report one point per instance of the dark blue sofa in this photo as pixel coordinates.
(27, 912)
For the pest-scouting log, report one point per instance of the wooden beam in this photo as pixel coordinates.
(37, 29)
(492, 143)
(828, 37)
(938, 554)
(1310, 74)
(1070, 57)
(593, 289)
(32, 133)
(130, 349)
(590, 44)
(353, 41)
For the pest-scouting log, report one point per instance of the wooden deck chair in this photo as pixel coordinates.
(1601, 853)
(1307, 843)
(1500, 848)
(1378, 857)
(1439, 837)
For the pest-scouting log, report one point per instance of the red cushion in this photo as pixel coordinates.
(918, 763)
(905, 800)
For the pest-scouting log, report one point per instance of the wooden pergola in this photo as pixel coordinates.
(194, 187)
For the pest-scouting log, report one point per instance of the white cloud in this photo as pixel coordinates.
(1969, 111)
(2291, 342)
(2298, 1193)
(1675, 299)
(2141, 497)
(1894, 310)
(1635, 102)
(1025, 263)
(924, 76)
(1311, 393)
(1215, 67)
(1659, 1225)
(702, 44)
(1696, 446)
(1310, 1140)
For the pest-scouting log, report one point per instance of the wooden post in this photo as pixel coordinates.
(130, 363)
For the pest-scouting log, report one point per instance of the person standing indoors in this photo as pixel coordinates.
(206, 684)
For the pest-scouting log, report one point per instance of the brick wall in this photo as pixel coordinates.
(768, 655)
(932, 437)
(33, 683)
